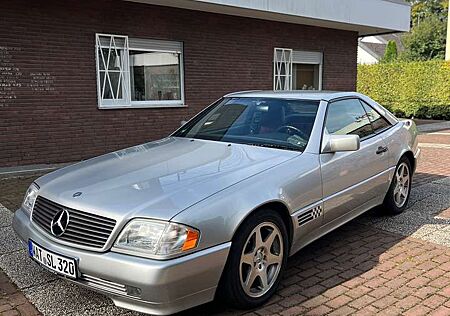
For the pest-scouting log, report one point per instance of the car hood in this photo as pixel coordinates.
(158, 179)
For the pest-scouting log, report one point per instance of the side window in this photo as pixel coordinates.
(378, 122)
(346, 117)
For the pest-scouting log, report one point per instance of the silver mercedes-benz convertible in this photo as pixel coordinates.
(216, 208)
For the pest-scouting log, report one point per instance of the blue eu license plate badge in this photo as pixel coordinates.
(30, 248)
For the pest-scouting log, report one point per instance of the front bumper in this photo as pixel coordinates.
(140, 284)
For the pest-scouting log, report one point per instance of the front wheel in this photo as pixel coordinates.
(398, 195)
(257, 258)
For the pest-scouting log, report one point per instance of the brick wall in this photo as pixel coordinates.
(48, 102)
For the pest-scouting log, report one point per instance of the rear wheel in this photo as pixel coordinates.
(257, 258)
(398, 195)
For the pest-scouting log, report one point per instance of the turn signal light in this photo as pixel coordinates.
(191, 240)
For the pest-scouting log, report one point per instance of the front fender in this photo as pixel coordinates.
(295, 183)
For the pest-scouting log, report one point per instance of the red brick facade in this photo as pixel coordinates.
(48, 94)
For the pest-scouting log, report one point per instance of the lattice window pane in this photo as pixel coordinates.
(113, 78)
(282, 69)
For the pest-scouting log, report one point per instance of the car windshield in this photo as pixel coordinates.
(268, 122)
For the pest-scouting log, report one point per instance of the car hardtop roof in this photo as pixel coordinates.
(294, 94)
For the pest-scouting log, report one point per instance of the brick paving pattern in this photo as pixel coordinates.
(434, 163)
(363, 268)
(360, 270)
(12, 301)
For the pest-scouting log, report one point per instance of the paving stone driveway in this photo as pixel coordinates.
(373, 265)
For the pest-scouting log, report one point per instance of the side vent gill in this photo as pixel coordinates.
(309, 215)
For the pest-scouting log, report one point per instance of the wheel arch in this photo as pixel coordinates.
(281, 208)
(225, 289)
(410, 156)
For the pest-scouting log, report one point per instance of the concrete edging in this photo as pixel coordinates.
(425, 128)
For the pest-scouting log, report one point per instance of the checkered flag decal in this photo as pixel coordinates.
(310, 215)
(317, 212)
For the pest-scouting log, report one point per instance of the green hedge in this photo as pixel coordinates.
(419, 89)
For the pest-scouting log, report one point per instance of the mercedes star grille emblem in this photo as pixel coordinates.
(59, 223)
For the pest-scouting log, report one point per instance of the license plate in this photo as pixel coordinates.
(52, 261)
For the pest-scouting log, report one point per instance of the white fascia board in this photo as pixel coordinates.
(371, 39)
(367, 17)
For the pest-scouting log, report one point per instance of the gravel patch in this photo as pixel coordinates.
(418, 194)
(5, 217)
(441, 237)
(23, 271)
(106, 310)
(443, 181)
(420, 220)
(8, 241)
(66, 298)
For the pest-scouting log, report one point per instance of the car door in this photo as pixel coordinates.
(355, 179)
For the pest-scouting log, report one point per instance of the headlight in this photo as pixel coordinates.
(30, 198)
(156, 239)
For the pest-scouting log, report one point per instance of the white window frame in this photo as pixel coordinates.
(123, 71)
(126, 102)
(282, 57)
(289, 57)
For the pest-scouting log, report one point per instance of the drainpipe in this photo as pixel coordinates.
(447, 46)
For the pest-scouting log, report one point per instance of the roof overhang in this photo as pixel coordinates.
(366, 17)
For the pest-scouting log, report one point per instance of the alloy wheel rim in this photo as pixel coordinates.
(402, 185)
(261, 259)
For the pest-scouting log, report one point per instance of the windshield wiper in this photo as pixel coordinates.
(276, 146)
(239, 141)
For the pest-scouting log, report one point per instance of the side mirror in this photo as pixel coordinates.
(337, 143)
(183, 122)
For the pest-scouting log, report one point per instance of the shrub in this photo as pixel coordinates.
(390, 53)
(419, 89)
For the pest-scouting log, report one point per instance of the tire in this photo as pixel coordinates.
(246, 261)
(396, 200)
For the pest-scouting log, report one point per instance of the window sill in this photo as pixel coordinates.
(141, 106)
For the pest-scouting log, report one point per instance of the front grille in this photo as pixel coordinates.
(84, 229)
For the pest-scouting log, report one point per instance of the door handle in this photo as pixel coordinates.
(381, 150)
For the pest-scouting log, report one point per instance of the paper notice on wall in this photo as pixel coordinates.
(16, 82)
(41, 81)
(10, 75)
